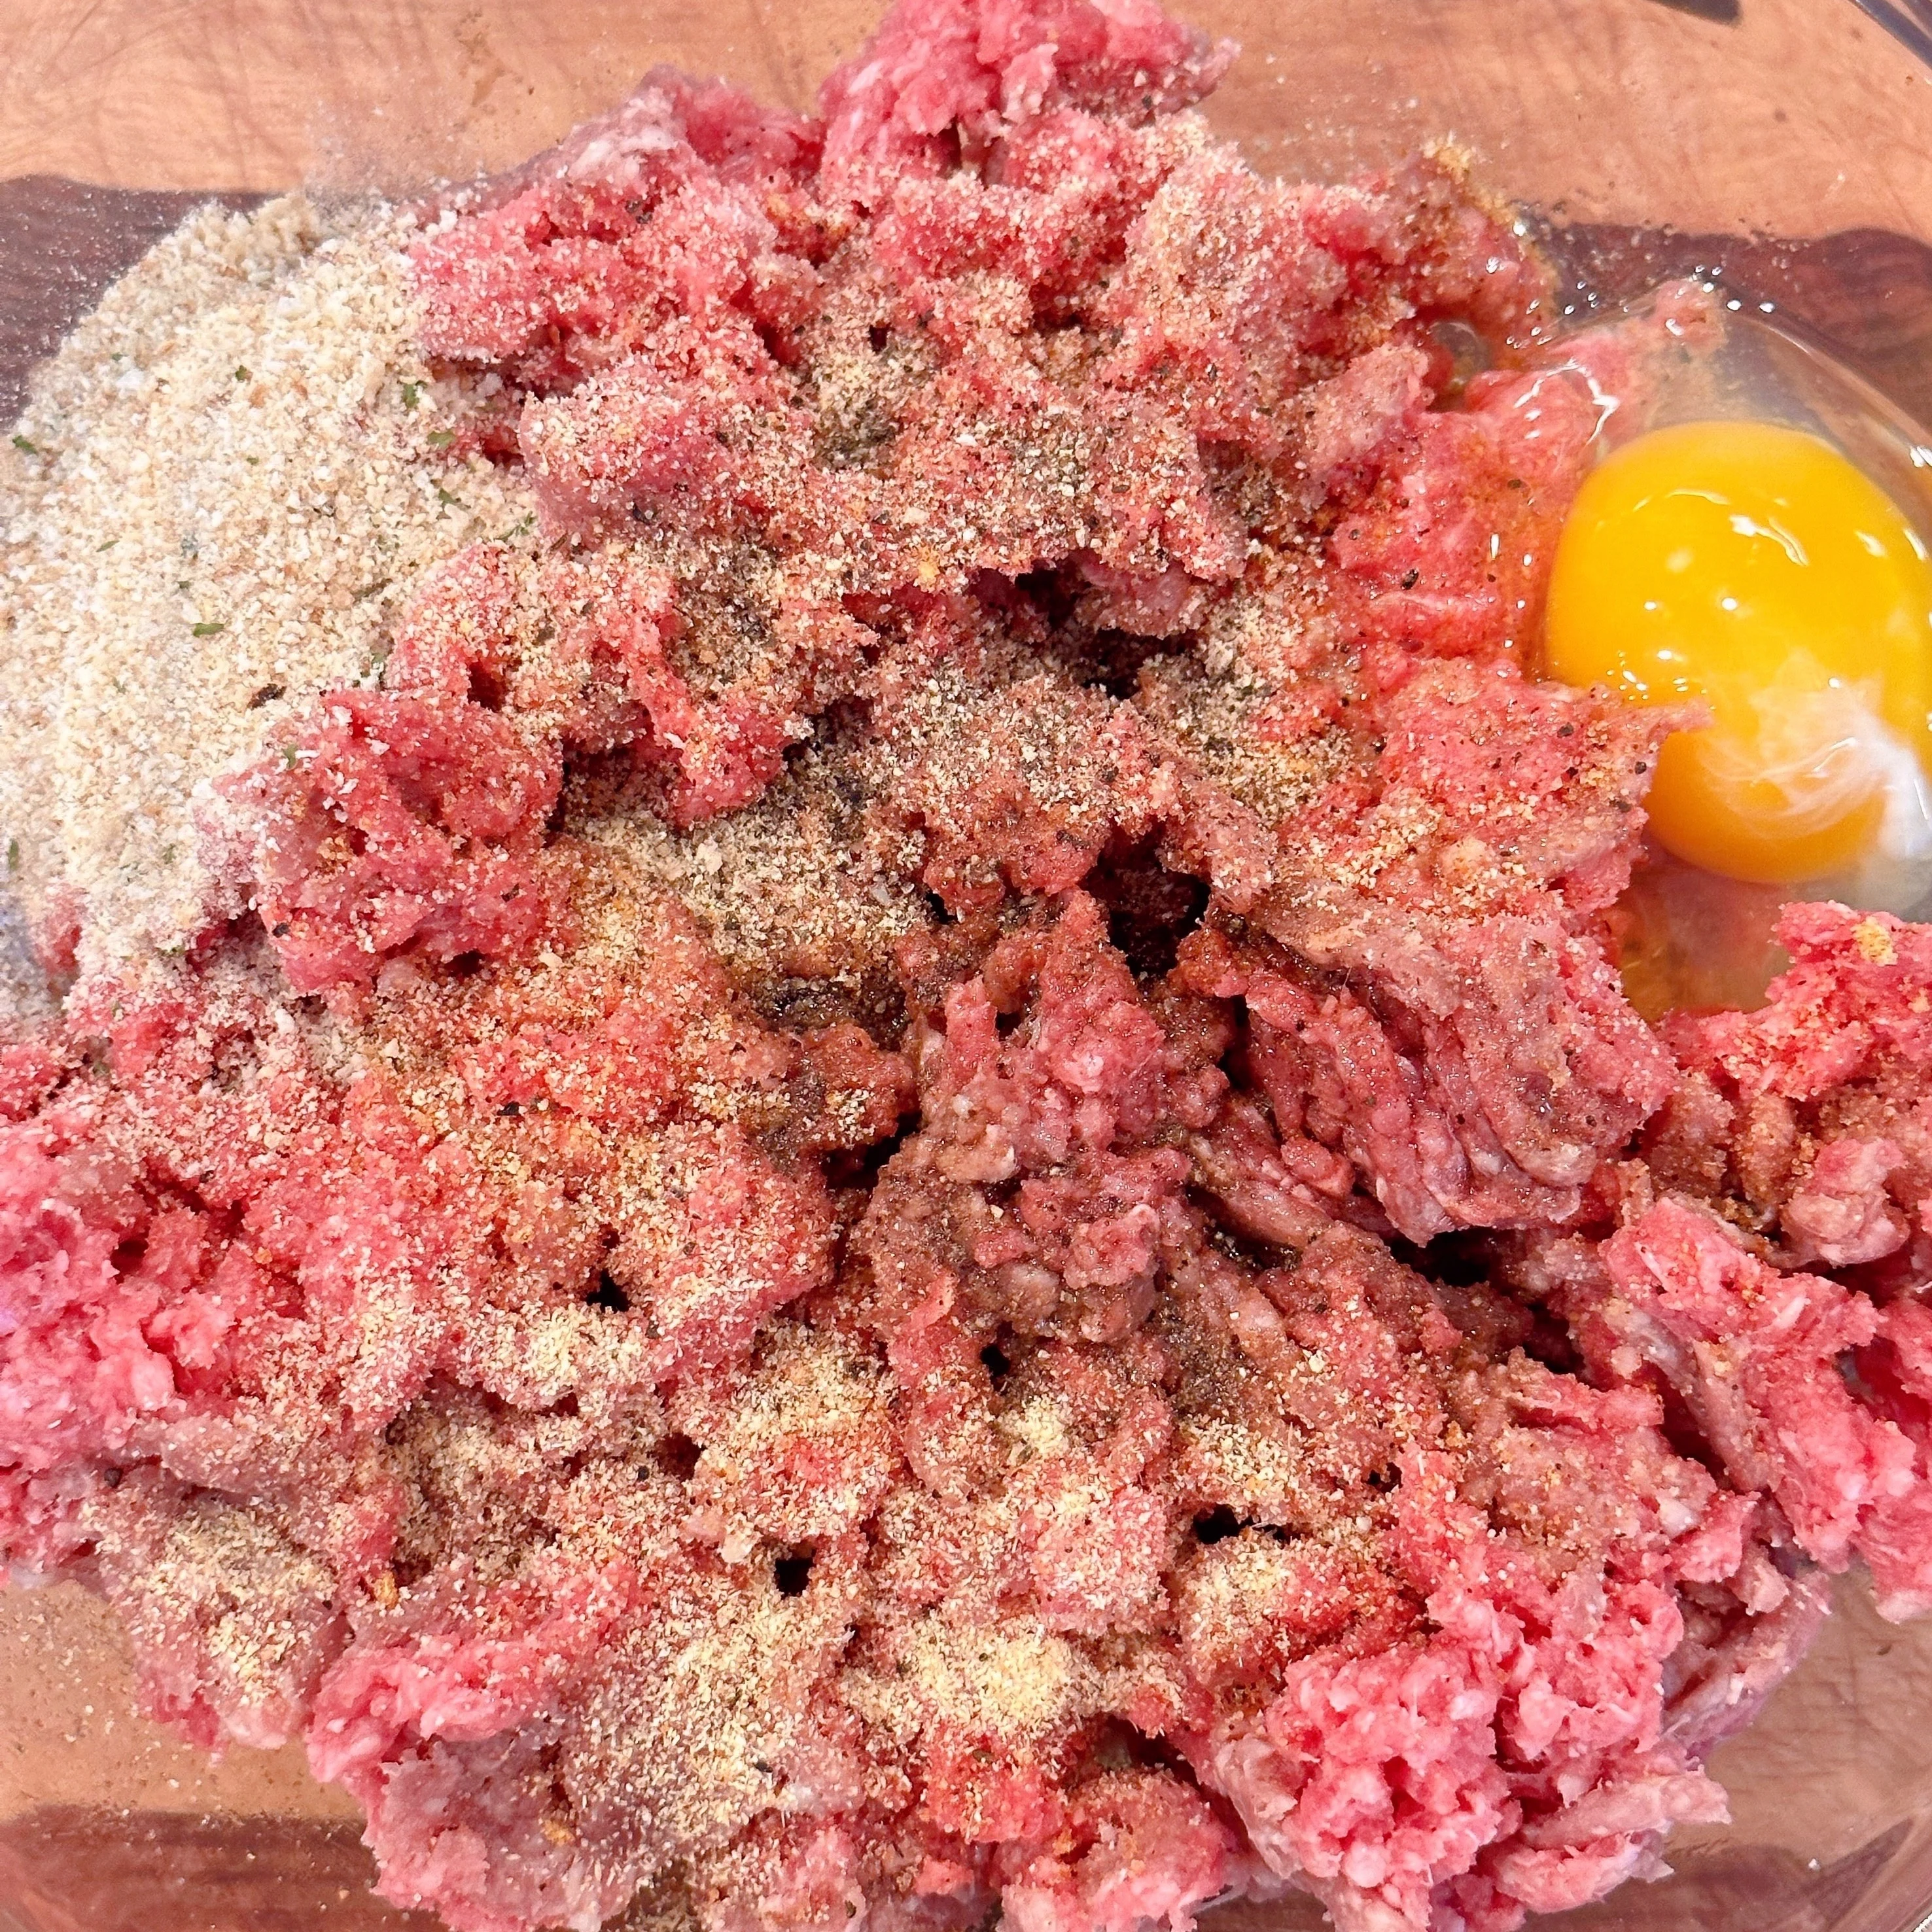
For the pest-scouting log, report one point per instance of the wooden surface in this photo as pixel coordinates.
(70, 1735)
(66, 1870)
(1801, 117)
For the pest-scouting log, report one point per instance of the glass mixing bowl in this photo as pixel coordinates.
(1783, 147)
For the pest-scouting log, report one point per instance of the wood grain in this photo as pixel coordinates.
(1866, 292)
(156, 103)
(71, 1735)
(1801, 117)
(70, 1870)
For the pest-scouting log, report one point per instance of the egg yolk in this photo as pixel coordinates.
(1753, 567)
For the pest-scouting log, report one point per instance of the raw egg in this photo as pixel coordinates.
(1755, 569)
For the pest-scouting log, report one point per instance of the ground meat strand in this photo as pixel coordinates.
(1809, 1122)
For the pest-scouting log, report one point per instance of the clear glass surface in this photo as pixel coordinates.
(1785, 146)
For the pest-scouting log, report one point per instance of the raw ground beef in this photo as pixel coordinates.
(911, 1178)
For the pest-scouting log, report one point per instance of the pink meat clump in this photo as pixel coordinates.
(1809, 1121)
(1755, 1354)
(393, 824)
(1438, 1007)
(908, 1178)
(939, 74)
(1464, 1626)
